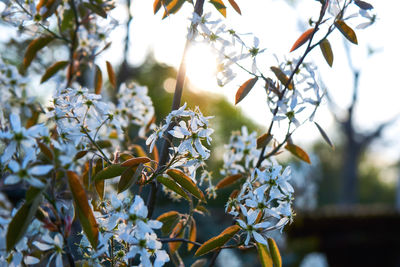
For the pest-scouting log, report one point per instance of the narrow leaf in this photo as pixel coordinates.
(169, 220)
(85, 213)
(187, 183)
(111, 75)
(98, 80)
(263, 140)
(53, 69)
(129, 177)
(244, 89)
(346, 31)
(173, 7)
(99, 185)
(97, 9)
(46, 150)
(302, 39)
(275, 255)
(324, 135)
(177, 232)
(220, 6)
(199, 263)
(109, 172)
(282, 77)
(156, 6)
(34, 47)
(327, 51)
(23, 218)
(235, 6)
(265, 256)
(217, 241)
(229, 180)
(298, 152)
(363, 5)
(135, 161)
(171, 184)
(192, 234)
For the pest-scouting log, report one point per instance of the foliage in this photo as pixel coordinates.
(78, 159)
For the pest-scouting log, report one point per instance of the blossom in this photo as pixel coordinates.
(251, 227)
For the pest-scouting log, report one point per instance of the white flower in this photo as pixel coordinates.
(250, 227)
(56, 244)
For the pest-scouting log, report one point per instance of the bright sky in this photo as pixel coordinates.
(278, 25)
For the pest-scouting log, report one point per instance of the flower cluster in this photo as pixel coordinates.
(124, 225)
(263, 203)
(192, 131)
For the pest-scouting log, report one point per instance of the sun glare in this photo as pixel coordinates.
(201, 66)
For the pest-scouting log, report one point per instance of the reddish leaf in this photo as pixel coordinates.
(85, 213)
(227, 181)
(53, 69)
(282, 77)
(235, 6)
(177, 232)
(327, 51)
(156, 5)
(173, 7)
(302, 39)
(169, 220)
(217, 241)
(346, 31)
(263, 140)
(98, 80)
(192, 234)
(135, 161)
(298, 152)
(111, 75)
(245, 89)
(34, 47)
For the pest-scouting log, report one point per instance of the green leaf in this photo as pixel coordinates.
(275, 255)
(327, 51)
(104, 143)
(68, 20)
(363, 5)
(217, 241)
(97, 9)
(129, 177)
(298, 152)
(244, 89)
(53, 69)
(187, 183)
(23, 218)
(171, 184)
(156, 6)
(282, 77)
(346, 31)
(111, 75)
(169, 220)
(229, 180)
(304, 37)
(324, 135)
(192, 234)
(265, 256)
(98, 80)
(85, 213)
(220, 6)
(34, 47)
(199, 263)
(109, 172)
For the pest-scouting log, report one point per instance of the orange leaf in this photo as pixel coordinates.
(217, 241)
(282, 77)
(98, 81)
(235, 6)
(245, 89)
(192, 234)
(302, 39)
(177, 232)
(263, 140)
(135, 161)
(187, 183)
(220, 6)
(227, 181)
(156, 5)
(111, 75)
(298, 152)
